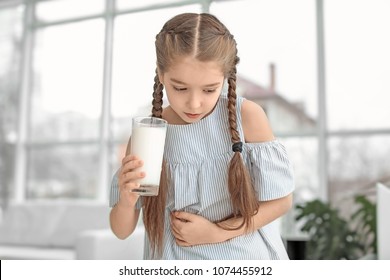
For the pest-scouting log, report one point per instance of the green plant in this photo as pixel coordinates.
(365, 220)
(333, 237)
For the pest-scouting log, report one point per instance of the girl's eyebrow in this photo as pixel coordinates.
(183, 83)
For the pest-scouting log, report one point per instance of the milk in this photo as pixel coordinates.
(147, 142)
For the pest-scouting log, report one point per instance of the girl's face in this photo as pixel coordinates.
(192, 88)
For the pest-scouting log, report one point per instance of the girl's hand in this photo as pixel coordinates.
(191, 229)
(127, 180)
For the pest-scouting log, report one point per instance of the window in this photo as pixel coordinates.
(356, 164)
(48, 11)
(358, 62)
(67, 85)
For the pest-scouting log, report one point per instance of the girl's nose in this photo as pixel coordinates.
(193, 101)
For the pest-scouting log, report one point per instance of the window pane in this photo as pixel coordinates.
(134, 4)
(358, 63)
(135, 64)
(68, 66)
(65, 9)
(279, 33)
(63, 172)
(11, 20)
(303, 154)
(356, 164)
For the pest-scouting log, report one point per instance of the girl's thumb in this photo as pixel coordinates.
(182, 215)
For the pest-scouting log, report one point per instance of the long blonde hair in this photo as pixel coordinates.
(204, 37)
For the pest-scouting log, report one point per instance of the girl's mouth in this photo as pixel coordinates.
(192, 116)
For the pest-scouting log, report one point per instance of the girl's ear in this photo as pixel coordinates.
(160, 76)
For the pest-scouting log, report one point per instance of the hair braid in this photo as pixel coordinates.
(242, 193)
(157, 97)
(154, 224)
(232, 96)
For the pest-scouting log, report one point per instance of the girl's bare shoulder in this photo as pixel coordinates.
(255, 123)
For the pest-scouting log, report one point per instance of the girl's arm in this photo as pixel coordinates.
(124, 215)
(123, 220)
(191, 229)
(268, 212)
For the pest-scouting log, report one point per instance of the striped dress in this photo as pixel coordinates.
(198, 156)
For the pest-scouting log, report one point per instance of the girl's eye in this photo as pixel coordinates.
(210, 90)
(179, 89)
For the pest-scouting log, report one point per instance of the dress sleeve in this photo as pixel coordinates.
(270, 169)
(114, 192)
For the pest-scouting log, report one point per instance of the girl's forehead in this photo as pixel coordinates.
(195, 72)
(191, 66)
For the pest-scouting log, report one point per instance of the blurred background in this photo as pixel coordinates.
(74, 73)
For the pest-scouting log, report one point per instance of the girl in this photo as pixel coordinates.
(225, 178)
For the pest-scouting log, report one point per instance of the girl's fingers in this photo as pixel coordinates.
(130, 177)
(177, 235)
(176, 227)
(182, 243)
(128, 158)
(175, 231)
(131, 165)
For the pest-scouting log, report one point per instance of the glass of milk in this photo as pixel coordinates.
(147, 142)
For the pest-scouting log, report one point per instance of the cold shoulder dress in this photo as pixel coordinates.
(197, 156)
